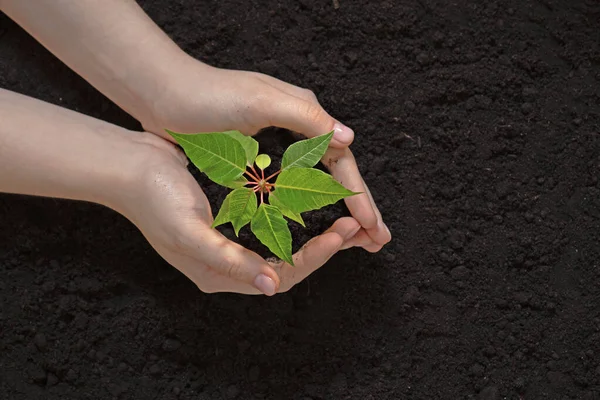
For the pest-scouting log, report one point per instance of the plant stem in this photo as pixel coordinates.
(274, 175)
(251, 175)
(255, 173)
(261, 197)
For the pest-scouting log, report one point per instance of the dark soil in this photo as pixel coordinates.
(478, 130)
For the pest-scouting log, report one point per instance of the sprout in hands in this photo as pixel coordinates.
(229, 159)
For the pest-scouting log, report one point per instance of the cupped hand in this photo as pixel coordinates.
(173, 213)
(201, 98)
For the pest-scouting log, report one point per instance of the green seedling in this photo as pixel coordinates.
(231, 159)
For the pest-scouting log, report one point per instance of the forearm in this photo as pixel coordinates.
(50, 151)
(112, 44)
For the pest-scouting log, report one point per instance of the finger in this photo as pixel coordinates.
(307, 118)
(207, 279)
(311, 257)
(307, 260)
(373, 248)
(361, 239)
(234, 261)
(342, 136)
(343, 168)
(380, 233)
(292, 90)
(316, 252)
(346, 227)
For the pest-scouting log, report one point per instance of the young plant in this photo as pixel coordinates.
(231, 159)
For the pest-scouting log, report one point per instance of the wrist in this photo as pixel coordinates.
(49, 151)
(112, 44)
(135, 159)
(179, 84)
(150, 89)
(102, 168)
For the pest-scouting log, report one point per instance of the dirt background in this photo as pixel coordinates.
(489, 290)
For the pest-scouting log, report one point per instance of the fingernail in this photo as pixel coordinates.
(265, 284)
(351, 234)
(342, 133)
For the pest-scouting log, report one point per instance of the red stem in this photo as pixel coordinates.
(255, 173)
(274, 175)
(261, 197)
(251, 176)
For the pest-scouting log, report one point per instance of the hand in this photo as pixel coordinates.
(115, 46)
(200, 98)
(168, 206)
(54, 152)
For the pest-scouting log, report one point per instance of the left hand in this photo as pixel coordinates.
(169, 207)
(116, 47)
(201, 98)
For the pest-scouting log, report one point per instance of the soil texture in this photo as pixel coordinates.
(478, 131)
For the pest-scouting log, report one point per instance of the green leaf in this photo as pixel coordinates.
(306, 153)
(263, 161)
(238, 208)
(221, 157)
(223, 215)
(272, 230)
(274, 201)
(305, 189)
(248, 143)
(238, 183)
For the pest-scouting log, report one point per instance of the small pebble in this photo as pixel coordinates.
(155, 369)
(411, 296)
(489, 393)
(477, 370)
(519, 383)
(40, 341)
(71, 375)
(254, 373)
(38, 375)
(51, 380)
(171, 345)
(460, 272)
(232, 392)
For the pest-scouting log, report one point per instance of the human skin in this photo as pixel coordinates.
(118, 49)
(46, 150)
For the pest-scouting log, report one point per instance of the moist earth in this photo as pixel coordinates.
(478, 131)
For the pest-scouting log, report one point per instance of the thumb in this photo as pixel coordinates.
(308, 118)
(233, 261)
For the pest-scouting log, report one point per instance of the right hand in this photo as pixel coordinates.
(168, 206)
